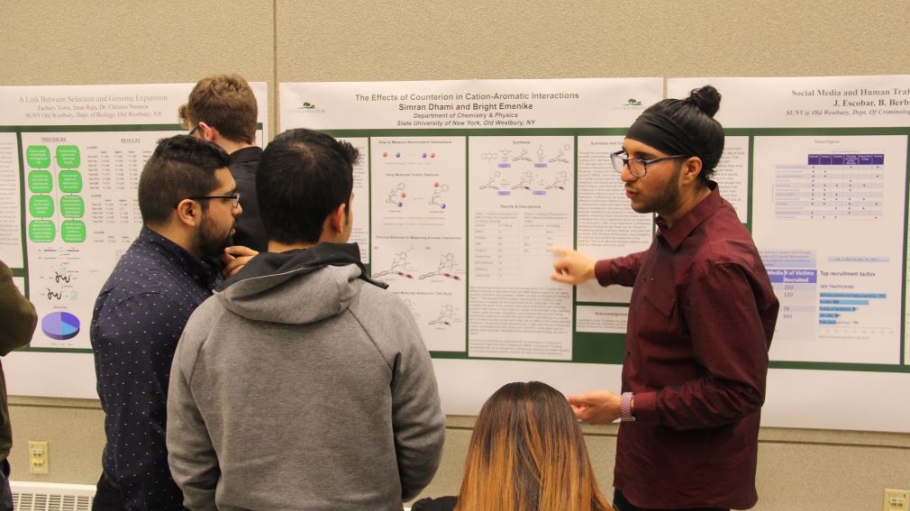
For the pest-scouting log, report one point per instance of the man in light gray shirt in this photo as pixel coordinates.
(302, 384)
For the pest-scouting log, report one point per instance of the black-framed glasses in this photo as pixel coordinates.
(234, 197)
(638, 167)
(194, 130)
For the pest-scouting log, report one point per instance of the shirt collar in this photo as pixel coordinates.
(247, 154)
(682, 228)
(204, 272)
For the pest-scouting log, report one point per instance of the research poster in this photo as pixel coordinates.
(825, 162)
(70, 160)
(466, 186)
(462, 190)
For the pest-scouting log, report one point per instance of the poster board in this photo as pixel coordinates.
(454, 208)
(423, 140)
(70, 159)
(825, 164)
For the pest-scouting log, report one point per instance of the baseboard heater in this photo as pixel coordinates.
(31, 496)
(55, 496)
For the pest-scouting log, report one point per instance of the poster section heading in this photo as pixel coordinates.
(457, 104)
(806, 102)
(68, 105)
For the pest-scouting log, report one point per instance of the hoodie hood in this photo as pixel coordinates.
(298, 286)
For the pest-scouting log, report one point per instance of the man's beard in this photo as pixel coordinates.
(211, 242)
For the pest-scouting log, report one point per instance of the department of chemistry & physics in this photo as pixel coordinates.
(490, 113)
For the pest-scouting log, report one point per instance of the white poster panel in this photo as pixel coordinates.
(828, 190)
(472, 184)
(70, 158)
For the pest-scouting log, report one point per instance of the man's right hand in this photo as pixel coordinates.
(235, 258)
(573, 267)
(597, 407)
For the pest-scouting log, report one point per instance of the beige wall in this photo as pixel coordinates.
(91, 42)
(805, 470)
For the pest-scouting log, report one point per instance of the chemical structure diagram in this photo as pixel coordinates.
(523, 156)
(445, 269)
(495, 182)
(559, 181)
(541, 157)
(399, 267)
(537, 183)
(436, 198)
(529, 181)
(542, 160)
(561, 154)
(504, 157)
(397, 196)
(399, 156)
(445, 316)
(525, 182)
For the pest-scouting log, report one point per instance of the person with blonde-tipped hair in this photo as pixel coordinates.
(527, 453)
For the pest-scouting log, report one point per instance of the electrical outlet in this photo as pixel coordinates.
(896, 500)
(38, 460)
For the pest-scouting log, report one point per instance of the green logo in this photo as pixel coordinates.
(307, 106)
(633, 102)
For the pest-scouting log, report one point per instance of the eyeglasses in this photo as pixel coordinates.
(197, 127)
(638, 167)
(234, 197)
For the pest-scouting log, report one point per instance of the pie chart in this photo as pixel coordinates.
(61, 326)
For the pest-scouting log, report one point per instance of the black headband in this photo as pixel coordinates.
(660, 131)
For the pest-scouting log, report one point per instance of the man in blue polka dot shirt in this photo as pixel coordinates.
(189, 205)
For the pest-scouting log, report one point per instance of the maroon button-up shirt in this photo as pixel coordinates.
(701, 319)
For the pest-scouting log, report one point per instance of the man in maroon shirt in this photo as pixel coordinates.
(701, 318)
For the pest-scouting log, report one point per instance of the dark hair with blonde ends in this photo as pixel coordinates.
(527, 453)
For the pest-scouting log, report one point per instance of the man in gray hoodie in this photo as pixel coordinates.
(302, 384)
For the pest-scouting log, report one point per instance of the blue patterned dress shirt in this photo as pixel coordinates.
(138, 318)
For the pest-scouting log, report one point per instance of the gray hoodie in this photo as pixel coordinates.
(302, 385)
